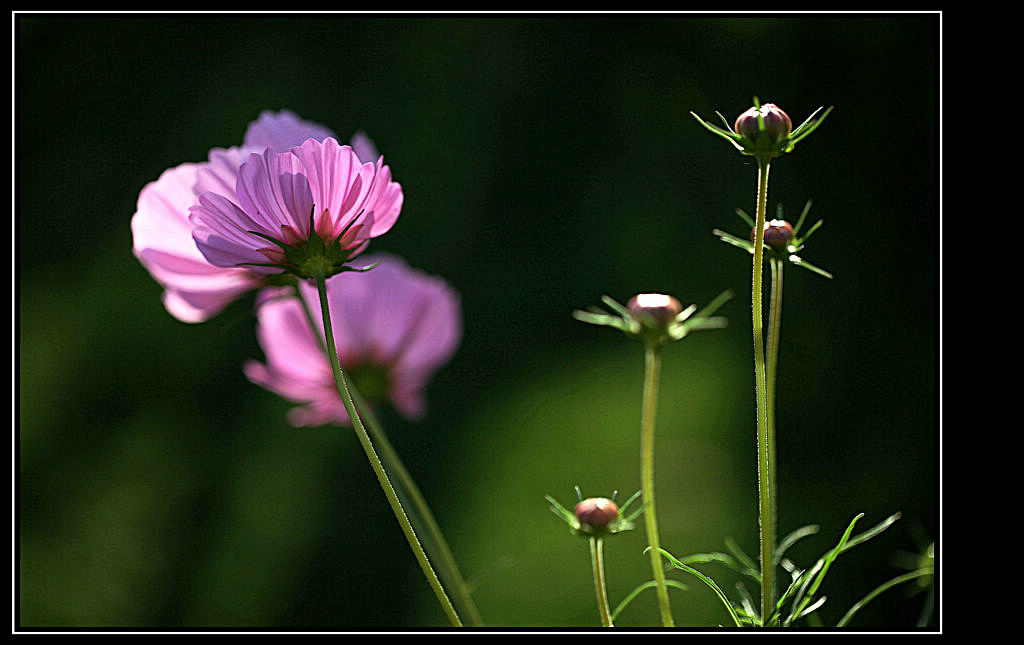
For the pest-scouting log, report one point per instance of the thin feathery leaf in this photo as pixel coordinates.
(748, 603)
(805, 581)
(645, 585)
(705, 579)
(790, 568)
(810, 610)
(906, 577)
(724, 559)
(871, 532)
(803, 125)
(826, 563)
(798, 577)
(739, 554)
(800, 134)
(792, 538)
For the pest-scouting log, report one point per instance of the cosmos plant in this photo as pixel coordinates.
(291, 208)
(291, 213)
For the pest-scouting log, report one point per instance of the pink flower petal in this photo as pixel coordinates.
(283, 130)
(403, 321)
(162, 241)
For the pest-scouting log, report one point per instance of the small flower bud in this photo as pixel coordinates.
(656, 308)
(778, 233)
(597, 512)
(777, 124)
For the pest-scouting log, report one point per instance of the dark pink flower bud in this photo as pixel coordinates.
(654, 307)
(597, 512)
(778, 233)
(777, 124)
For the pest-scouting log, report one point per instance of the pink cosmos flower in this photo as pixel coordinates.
(194, 289)
(394, 327)
(307, 211)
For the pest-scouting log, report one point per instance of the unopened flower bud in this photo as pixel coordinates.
(777, 124)
(597, 512)
(656, 308)
(778, 233)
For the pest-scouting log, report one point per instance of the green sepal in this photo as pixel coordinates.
(817, 225)
(800, 262)
(803, 215)
(800, 134)
(636, 514)
(346, 268)
(702, 320)
(620, 525)
(728, 135)
(746, 218)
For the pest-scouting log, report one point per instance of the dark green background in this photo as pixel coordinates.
(545, 161)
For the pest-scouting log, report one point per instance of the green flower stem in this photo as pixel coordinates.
(652, 367)
(597, 562)
(378, 468)
(440, 553)
(766, 494)
(774, 327)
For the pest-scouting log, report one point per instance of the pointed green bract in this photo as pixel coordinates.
(803, 215)
(764, 146)
(688, 320)
(786, 254)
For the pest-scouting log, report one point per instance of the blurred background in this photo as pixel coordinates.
(545, 161)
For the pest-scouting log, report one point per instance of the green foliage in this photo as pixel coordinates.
(804, 585)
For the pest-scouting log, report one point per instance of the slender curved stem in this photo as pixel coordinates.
(652, 367)
(597, 563)
(433, 535)
(446, 563)
(440, 553)
(378, 468)
(774, 328)
(766, 495)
